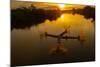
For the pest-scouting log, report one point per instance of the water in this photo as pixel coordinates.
(27, 48)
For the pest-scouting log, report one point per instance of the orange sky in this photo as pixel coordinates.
(16, 4)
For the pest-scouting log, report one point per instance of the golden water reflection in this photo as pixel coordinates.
(76, 23)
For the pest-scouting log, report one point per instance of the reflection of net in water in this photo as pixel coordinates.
(82, 36)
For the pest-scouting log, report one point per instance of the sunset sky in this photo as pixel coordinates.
(16, 4)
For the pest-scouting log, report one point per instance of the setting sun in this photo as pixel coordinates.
(61, 6)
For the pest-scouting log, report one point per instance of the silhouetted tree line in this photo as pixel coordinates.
(26, 17)
(87, 12)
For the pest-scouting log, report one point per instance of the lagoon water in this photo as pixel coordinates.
(28, 49)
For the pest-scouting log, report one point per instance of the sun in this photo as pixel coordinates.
(61, 6)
